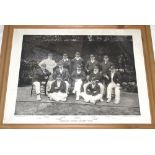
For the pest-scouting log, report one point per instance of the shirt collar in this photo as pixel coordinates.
(78, 58)
(65, 59)
(92, 61)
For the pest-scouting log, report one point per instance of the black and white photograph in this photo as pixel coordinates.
(78, 74)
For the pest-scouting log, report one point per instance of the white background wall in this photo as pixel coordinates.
(1, 34)
(77, 142)
(153, 37)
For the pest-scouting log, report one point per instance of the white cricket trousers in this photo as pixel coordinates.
(37, 87)
(77, 87)
(58, 96)
(90, 98)
(116, 88)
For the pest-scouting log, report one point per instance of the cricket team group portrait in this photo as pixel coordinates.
(83, 80)
(77, 74)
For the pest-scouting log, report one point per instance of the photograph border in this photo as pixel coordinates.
(149, 66)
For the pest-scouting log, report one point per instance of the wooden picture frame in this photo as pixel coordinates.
(149, 68)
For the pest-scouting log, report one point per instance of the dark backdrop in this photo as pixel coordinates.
(36, 47)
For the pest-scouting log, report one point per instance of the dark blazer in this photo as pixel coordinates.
(93, 91)
(75, 63)
(66, 64)
(90, 66)
(64, 75)
(96, 76)
(55, 88)
(116, 77)
(105, 67)
(39, 75)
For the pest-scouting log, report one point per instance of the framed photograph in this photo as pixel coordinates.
(77, 77)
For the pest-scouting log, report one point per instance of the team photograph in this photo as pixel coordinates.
(77, 75)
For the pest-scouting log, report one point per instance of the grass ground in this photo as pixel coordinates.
(27, 105)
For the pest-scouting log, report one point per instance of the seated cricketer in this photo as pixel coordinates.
(92, 93)
(58, 90)
(63, 73)
(96, 75)
(78, 76)
(114, 80)
(40, 75)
